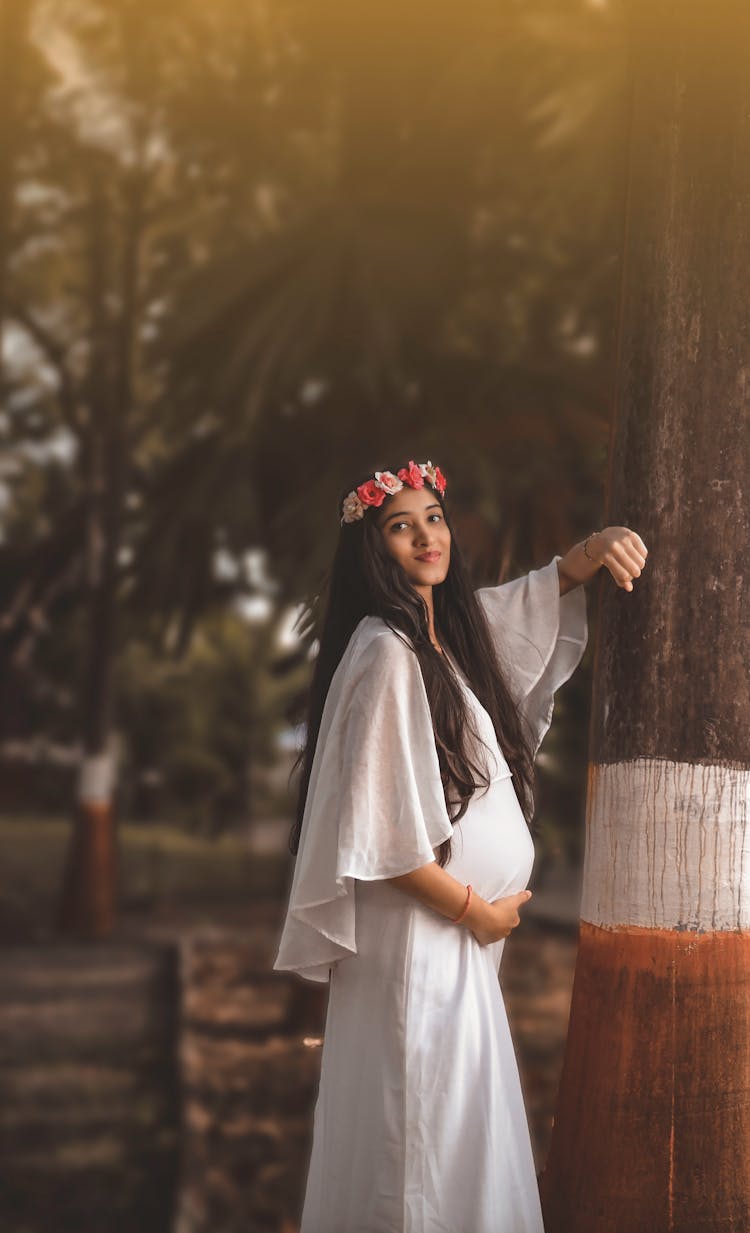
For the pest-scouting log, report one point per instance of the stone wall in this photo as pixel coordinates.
(89, 1110)
(167, 1085)
(250, 1060)
(155, 1087)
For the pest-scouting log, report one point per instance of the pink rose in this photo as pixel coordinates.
(412, 475)
(388, 481)
(440, 481)
(370, 494)
(352, 508)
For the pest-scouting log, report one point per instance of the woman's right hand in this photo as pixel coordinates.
(501, 917)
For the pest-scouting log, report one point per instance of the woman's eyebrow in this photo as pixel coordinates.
(400, 513)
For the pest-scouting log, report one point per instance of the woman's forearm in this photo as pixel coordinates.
(576, 567)
(438, 889)
(621, 550)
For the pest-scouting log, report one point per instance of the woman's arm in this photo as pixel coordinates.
(621, 550)
(438, 889)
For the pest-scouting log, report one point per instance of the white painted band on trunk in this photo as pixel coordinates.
(96, 779)
(667, 846)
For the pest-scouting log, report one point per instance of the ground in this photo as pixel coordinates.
(175, 1041)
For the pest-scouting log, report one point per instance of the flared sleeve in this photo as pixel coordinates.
(375, 805)
(539, 635)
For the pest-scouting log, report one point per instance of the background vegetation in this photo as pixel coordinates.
(247, 249)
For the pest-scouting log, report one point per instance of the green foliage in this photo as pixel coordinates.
(254, 249)
(160, 867)
(197, 730)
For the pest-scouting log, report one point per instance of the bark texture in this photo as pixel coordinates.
(652, 1131)
(655, 1089)
(673, 668)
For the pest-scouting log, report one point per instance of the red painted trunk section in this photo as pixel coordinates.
(655, 1091)
(87, 907)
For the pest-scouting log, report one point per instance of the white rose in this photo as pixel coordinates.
(388, 481)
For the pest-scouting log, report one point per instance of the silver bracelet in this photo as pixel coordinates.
(585, 547)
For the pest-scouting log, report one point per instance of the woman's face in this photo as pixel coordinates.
(415, 532)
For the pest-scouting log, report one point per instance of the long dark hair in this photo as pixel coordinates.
(365, 580)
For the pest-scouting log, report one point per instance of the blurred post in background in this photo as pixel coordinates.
(653, 1121)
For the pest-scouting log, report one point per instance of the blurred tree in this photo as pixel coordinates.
(14, 58)
(201, 726)
(104, 285)
(440, 277)
(261, 247)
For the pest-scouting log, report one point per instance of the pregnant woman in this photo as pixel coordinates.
(428, 703)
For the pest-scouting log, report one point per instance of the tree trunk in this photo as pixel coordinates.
(14, 16)
(88, 904)
(652, 1131)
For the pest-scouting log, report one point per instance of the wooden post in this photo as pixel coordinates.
(652, 1132)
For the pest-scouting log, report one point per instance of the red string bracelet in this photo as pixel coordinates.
(462, 914)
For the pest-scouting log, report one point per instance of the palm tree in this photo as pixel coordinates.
(408, 284)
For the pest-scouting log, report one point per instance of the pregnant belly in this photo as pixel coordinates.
(491, 846)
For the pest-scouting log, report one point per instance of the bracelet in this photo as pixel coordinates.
(465, 907)
(585, 548)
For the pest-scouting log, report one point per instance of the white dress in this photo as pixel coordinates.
(419, 1124)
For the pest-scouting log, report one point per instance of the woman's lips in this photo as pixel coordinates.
(429, 556)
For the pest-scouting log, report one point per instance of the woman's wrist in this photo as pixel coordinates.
(473, 912)
(587, 549)
(439, 890)
(478, 913)
(580, 563)
(618, 549)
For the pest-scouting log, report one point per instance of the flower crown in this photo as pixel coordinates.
(374, 491)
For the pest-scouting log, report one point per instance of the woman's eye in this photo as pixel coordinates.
(395, 526)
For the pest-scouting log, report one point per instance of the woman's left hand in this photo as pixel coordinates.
(622, 551)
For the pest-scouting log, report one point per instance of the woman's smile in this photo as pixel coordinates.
(410, 518)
